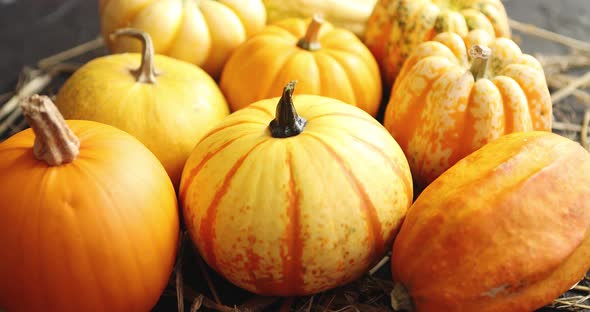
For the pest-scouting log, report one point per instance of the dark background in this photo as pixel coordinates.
(33, 29)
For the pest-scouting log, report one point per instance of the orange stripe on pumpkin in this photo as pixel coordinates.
(408, 186)
(207, 229)
(193, 173)
(373, 223)
(293, 257)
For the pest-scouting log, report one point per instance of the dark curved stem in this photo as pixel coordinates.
(287, 123)
(146, 72)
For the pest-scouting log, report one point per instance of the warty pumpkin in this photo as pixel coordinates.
(295, 202)
(350, 14)
(453, 96)
(165, 103)
(397, 27)
(505, 229)
(326, 60)
(89, 217)
(202, 32)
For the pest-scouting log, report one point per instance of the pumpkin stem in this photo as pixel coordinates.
(479, 60)
(55, 143)
(400, 298)
(146, 73)
(310, 41)
(287, 123)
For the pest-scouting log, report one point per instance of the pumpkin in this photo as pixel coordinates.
(202, 32)
(165, 103)
(505, 229)
(351, 14)
(396, 27)
(288, 204)
(453, 96)
(326, 60)
(89, 217)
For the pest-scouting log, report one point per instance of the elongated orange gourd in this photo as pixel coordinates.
(88, 218)
(453, 96)
(505, 229)
(397, 27)
(295, 202)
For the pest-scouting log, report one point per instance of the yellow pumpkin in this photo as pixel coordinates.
(288, 204)
(397, 27)
(349, 14)
(326, 60)
(452, 97)
(165, 103)
(507, 229)
(202, 32)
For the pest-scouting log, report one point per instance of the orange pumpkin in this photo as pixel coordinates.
(449, 100)
(326, 61)
(89, 217)
(203, 32)
(293, 205)
(397, 27)
(505, 229)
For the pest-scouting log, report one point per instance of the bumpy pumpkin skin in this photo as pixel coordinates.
(168, 116)
(439, 113)
(397, 27)
(201, 32)
(97, 234)
(298, 215)
(505, 229)
(343, 68)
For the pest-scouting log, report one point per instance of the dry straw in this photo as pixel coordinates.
(372, 293)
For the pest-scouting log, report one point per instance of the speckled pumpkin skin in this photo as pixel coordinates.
(439, 114)
(299, 215)
(505, 229)
(397, 27)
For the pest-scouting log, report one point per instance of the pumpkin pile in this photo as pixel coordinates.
(417, 128)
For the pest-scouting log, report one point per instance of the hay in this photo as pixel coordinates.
(372, 292)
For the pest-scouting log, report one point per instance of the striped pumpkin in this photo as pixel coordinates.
(449, 99)
(397, 27)
(291, 205)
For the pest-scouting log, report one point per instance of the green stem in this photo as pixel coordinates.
(287, 123)
(146, 73)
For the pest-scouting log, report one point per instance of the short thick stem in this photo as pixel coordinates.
(146, 73)
(287, 123)
(480, 56)
(55, 143)
(310, 41)
(400, 298)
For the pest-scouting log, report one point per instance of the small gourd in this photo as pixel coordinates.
(325, 60)
(454, 95)
(165, 103)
